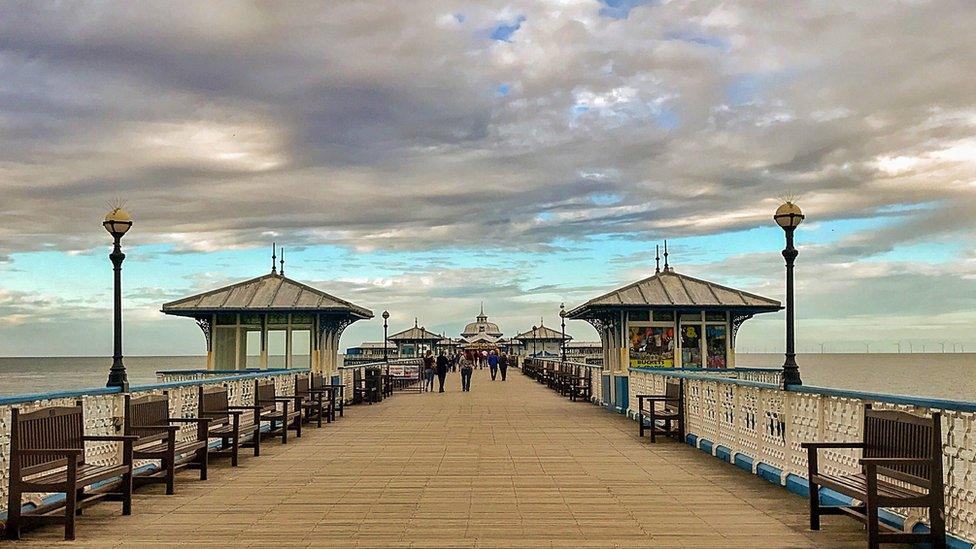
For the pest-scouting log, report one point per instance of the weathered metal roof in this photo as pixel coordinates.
(669, 289)
(416, 333)
(481, 337)
(268, 293)
(542, 332)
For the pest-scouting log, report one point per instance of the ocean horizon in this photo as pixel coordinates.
(933, 375)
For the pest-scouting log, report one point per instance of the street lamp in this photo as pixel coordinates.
(534, 338)
(788, 216)
(562, 316)
(117, 222)
(386, 317)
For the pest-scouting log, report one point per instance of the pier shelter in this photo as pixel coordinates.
(481, 335)
(414, 342)
(541, 342)
(269, 322)
(668, 320)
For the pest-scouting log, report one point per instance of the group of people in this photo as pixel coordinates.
(464, 361)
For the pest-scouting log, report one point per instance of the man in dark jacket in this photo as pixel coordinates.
(503, 365)
(493, 364)
(442, 363)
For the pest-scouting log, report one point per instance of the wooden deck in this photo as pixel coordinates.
(507, 465)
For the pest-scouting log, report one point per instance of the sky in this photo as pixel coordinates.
(425, 156)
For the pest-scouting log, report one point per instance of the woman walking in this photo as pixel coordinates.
(429, 371)
(466, 369)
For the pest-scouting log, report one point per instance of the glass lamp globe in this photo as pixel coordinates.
(788, 216)
(117, 222)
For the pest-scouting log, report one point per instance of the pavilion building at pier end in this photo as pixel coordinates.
(668, 320)
(270, 322)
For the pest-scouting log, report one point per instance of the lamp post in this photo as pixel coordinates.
(562, 317)
(117, 223)
(386, 317)
(534, 338)
(789, 216)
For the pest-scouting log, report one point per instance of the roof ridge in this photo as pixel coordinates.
(664, 289)
(685, 288)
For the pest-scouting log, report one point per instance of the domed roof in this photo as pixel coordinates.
(481, 326)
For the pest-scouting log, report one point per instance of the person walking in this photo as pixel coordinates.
(503, 365)
(442, 362)
(429, 371)
(493, 364)
(466, 369)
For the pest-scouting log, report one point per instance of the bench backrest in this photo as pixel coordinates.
(318, 380)
(213, 403)
(301, 385)
(672, 390)
(264, 394)
(895, 434)
(147, 411)
(57, 427)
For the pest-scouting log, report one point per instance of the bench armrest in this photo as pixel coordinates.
(172, 428)
(816, 445)
(67, 452)
(285, 399)
(885, 462)
(244, 407)
(190, 420)
(111, 438)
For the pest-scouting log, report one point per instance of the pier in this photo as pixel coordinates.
(507, 465)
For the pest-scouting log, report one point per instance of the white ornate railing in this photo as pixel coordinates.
(760, 426)
(104, 411)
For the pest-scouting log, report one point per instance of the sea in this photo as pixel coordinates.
(933, 375)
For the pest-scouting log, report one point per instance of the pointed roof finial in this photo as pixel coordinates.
(667, 268)
(482, 307)
(281, 271)
(657, 258)
(274, 269)
(416, 322)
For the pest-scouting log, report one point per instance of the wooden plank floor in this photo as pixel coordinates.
(507, 465)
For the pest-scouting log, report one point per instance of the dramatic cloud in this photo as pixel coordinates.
(524, 127)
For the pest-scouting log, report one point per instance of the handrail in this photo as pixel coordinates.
(379, 363)
(906, 400)
(685, 374)
(30, 397)
(570, 362)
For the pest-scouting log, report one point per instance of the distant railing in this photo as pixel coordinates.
(104, 410)
(759, 426)
(595, 371)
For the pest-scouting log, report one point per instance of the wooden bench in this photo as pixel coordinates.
(670, 413)
(266, 410)
(47, 455)
(336, 394)
(148, 418)
(901, 466)
(226, 425)
(582, 385)
(309, 403)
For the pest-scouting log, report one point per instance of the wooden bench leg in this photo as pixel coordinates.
(653, 423)
(814, 496)
(70, 499)
(203, 458)
(871, 508)
(937, 528)
(11, 529)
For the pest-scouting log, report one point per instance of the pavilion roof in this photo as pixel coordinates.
(542, 332)
(268, 293)
(668, 289)
(416, 333)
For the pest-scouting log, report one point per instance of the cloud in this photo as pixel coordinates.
(407, 127)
